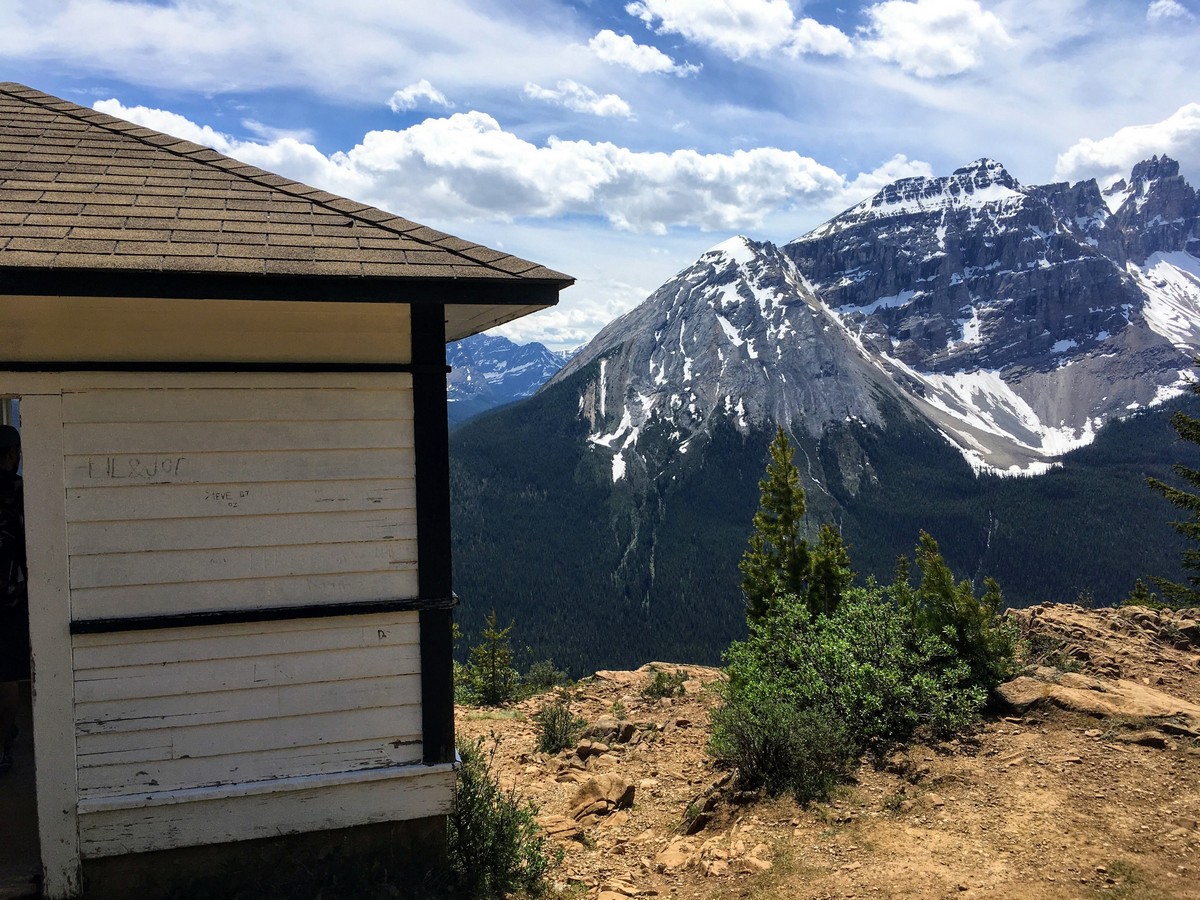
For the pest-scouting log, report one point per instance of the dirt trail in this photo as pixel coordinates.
(1086, 785)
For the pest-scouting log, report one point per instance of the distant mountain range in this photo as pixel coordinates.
(1016, 320)
(488, 371)
(942, 332)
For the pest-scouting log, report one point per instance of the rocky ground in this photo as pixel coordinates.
(1084, 783)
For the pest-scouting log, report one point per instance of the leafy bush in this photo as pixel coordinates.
(808, 695)
(495, 847)
(542, 676)
(782, 749)
(558, 727)
(664, 684)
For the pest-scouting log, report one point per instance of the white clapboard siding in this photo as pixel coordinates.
(182, 710)
(186, 466)
(206, 816)
(261, 405)
(271, 670)
(143, 438)
(113, 779)
(168, 501)
(227, 563)
(241, 703)
(214, 532)
(173, 645)
(256, 593)
(204, 492)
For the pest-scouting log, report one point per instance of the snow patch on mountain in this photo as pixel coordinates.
(1171, 283)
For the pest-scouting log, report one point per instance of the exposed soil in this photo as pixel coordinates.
(1085, 784)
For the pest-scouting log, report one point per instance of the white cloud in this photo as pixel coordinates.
(580, 98)
(810, 36)
(168, 123)
(623, 50)
(465, 167)
(1178, 136)
(271, 133)
(868, 184)
(361, 50)
(741, 28)
(1167, 9)
(411, 97)
(932, 38)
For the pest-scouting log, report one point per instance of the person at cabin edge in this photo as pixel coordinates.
(14, 628)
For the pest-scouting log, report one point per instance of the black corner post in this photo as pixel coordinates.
(432, 451)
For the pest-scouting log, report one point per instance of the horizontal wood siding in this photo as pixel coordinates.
(175, 709)
(211, 817)
(214, 493)
(209, 493)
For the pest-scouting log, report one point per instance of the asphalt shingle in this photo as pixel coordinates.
(82, 190)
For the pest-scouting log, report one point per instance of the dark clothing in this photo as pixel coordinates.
(14, 600)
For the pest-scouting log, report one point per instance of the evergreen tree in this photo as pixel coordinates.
(1176, 594)
(492, 676)
(777, 559)
(831, 574)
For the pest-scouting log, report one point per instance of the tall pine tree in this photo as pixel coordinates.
(777, 558)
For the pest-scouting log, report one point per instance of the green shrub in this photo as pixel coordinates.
(542, 676)
(558, 727)
(664, 684)
(782, 749)
(869, 666)
(495, 846)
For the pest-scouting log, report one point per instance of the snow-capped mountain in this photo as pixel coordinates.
(489, 371)
(1017, 320)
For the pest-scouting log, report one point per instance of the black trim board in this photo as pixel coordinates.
(431, 445)
(206, 366)
(515, 291)
(274, 614)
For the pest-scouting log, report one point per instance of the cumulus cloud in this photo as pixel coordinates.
(466, 167)
(286, 155)
(623, 50)
(415, 94)
(741, 28)
(580, 98)
(1167, 9)
(868, 184)
(1177, 136)
(931, 38)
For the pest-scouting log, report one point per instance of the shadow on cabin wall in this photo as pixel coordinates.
(20, 854)
(349, 862)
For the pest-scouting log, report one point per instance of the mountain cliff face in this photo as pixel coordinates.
(1017, 320)
(487, 371)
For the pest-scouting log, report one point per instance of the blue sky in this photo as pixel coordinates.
(616, 141)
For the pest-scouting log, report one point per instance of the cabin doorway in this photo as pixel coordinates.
(20, 854)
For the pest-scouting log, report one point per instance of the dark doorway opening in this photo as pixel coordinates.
(20, 853)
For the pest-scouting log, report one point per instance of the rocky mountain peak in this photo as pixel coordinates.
(978, 184)
(1155, 168)
(983, 173)
(739, 337)
(1157, 211)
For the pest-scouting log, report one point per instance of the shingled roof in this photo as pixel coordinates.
(94, 205)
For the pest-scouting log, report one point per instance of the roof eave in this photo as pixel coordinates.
(65, 282)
